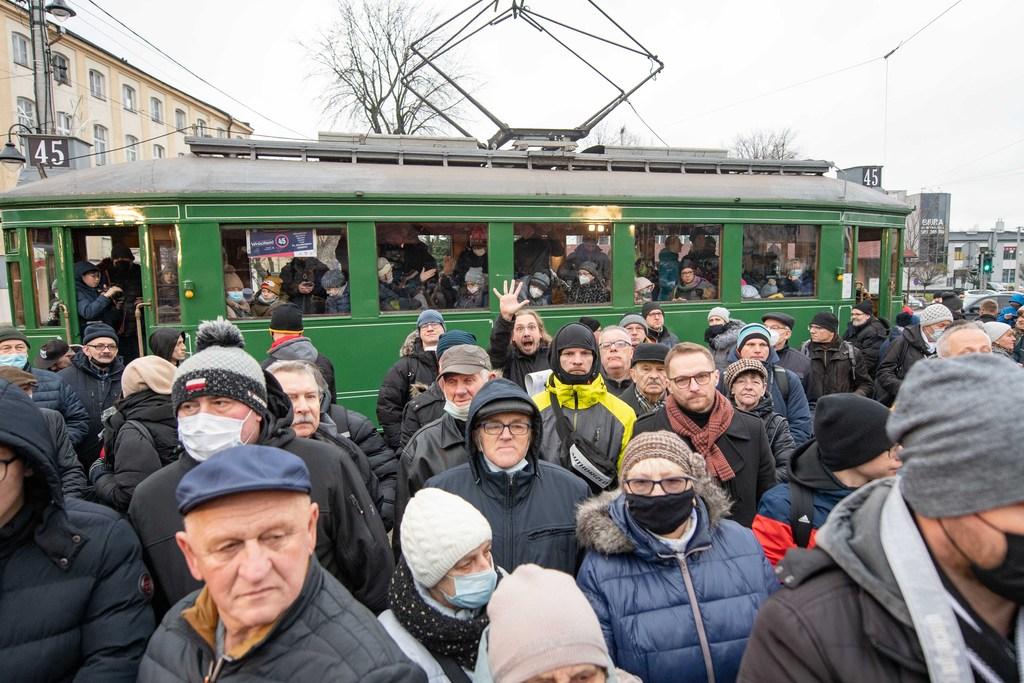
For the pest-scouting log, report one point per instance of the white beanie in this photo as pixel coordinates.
(438, 530)
(935, 313)
(996, 330)
(721, 311)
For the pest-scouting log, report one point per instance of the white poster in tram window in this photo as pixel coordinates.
(873, 285)
(847, 285)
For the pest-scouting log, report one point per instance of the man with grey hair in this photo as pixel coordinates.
(616, 357)
(963, 337)
(307, 390)
(918, 577)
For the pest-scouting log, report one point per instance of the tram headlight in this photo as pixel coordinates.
(189, 288)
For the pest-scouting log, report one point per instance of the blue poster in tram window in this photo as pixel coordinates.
(281, 243)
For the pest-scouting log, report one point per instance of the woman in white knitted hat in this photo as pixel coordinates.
(441, 585)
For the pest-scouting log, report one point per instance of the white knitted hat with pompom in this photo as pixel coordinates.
(438, 530)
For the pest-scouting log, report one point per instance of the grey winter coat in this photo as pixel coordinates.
(301, 348)
(723, 344)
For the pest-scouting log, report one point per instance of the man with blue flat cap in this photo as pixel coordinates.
(268, 610)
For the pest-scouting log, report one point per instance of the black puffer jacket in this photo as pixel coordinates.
(301, 348)
(415, 366)
(351, 541)
(72, 476)
(142, 437)
(328, 434)
(163, 341)
(383, 460)
(532, 513)
(51, 392)
(97, 390)
(514, 364)
(325, 635)
(73, 602)
(868, 338)
(779, 436)
(423, 409)
(908, 348)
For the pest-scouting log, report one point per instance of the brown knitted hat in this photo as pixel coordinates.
(149, 372)
(744, 365)
(665, 445)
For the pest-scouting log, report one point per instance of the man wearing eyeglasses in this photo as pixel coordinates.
(616, 357)
(95, 376)
(733, 442)
(529, 503)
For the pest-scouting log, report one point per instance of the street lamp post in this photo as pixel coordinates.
(41, 67)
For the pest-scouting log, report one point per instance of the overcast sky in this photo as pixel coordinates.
(955, 100)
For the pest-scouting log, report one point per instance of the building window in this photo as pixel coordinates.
(1010, 253)
(27, 112)
(221, 133)
(131, 150)
(19, 49)
(681, 261)
(780, 259)
(97, 84)
(958, 254)
(1009, 275)
(158, 151)
(307, 265)
(156, 110)
(61, 69)
(99, 143)
(128, 98)
(201, 128)
(64, 123)
(180, 120)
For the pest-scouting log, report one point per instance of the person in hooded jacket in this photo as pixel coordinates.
(223, 398)
(300, 282)
(1010, 313)
(746, 385)
(94, 302)
(675, 585)
(168, 343)
(867, 334)
(529, 503)
(417, 365)
(536, 289)
(289, 343)
(586, 427)
(95, 377)
(141, 435)
(721, 334)
(74, 599)
(850, 450)
(519, 342)
(916, 343)
(126, 275)
(587, 288)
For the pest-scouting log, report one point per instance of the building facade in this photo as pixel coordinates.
(1005, 246)
(123, 112)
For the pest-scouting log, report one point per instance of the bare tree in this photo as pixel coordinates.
(766, 144)
(607, 133)
(927, 274)
(364, 54)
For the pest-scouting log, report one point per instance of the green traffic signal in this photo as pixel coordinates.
(986, 263)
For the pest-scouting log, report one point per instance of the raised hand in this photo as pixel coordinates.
(508, 299)
(427, 274)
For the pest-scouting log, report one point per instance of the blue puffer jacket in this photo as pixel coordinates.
(643, 593)
(52, 393)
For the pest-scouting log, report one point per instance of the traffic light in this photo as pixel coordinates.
(986, 263)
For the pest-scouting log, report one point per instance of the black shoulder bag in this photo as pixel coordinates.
(801, 513)
(582, 457)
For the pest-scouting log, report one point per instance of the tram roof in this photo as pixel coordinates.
(206, 177)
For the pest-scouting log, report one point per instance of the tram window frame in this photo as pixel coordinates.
(331, 247)
(44, 274)
(16, 287)
(655, 237)
(562, 286)
(446, 289)
(763, 239)
(163, 249)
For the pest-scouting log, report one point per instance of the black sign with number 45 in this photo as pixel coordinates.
(51, 150)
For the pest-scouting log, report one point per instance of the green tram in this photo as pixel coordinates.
(762, 235)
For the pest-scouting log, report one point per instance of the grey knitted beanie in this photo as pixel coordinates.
(220, 367)
(959, 462)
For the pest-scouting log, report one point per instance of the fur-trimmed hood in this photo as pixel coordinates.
(603, 524)
(411, 345)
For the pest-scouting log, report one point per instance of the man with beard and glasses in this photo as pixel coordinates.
(918, 577)
(650, 386)
(95, 377)
(126, 274)
(519, 342)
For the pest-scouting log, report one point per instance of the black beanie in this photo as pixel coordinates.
(574, 336)
(286, 319)
(865, 307)
(651, 306)
(850, 430)
(98, 331)
(826, 320)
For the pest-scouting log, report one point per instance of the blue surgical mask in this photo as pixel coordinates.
(236, 296)
(473, 591)
(14, 360)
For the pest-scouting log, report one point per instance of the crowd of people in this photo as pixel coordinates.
(604, 503)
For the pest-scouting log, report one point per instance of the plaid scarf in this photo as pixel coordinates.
(645, 405)
(703, 440)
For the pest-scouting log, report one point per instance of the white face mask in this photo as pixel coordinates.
(536, 292)
(479, 251)
(455, 411)
(773, 338)
(204, 435)
(585, 280)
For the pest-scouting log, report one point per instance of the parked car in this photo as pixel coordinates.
(971, 304)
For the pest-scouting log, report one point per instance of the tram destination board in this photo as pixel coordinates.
(49, 150)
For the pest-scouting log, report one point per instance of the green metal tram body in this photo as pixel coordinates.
(195, 196)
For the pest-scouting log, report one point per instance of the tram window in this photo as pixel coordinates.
(681, 262)
(267, 265)
(163, 245)
(563, 263)
(779, 261)
(44, 276)
(17, 299)
(432, 265)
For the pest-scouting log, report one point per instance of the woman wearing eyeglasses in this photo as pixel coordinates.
(530, 504)
(675, 586)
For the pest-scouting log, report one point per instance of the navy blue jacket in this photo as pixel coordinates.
(643, 593)
(74, 594)
(92, 305)
(52, 393)
(97, 391)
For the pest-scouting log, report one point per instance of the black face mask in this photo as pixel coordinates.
(713, 331)
(1007, 579)
(661, 514)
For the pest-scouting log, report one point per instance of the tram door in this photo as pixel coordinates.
(869, 282)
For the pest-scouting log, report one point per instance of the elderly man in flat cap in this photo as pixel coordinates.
(268, 610)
